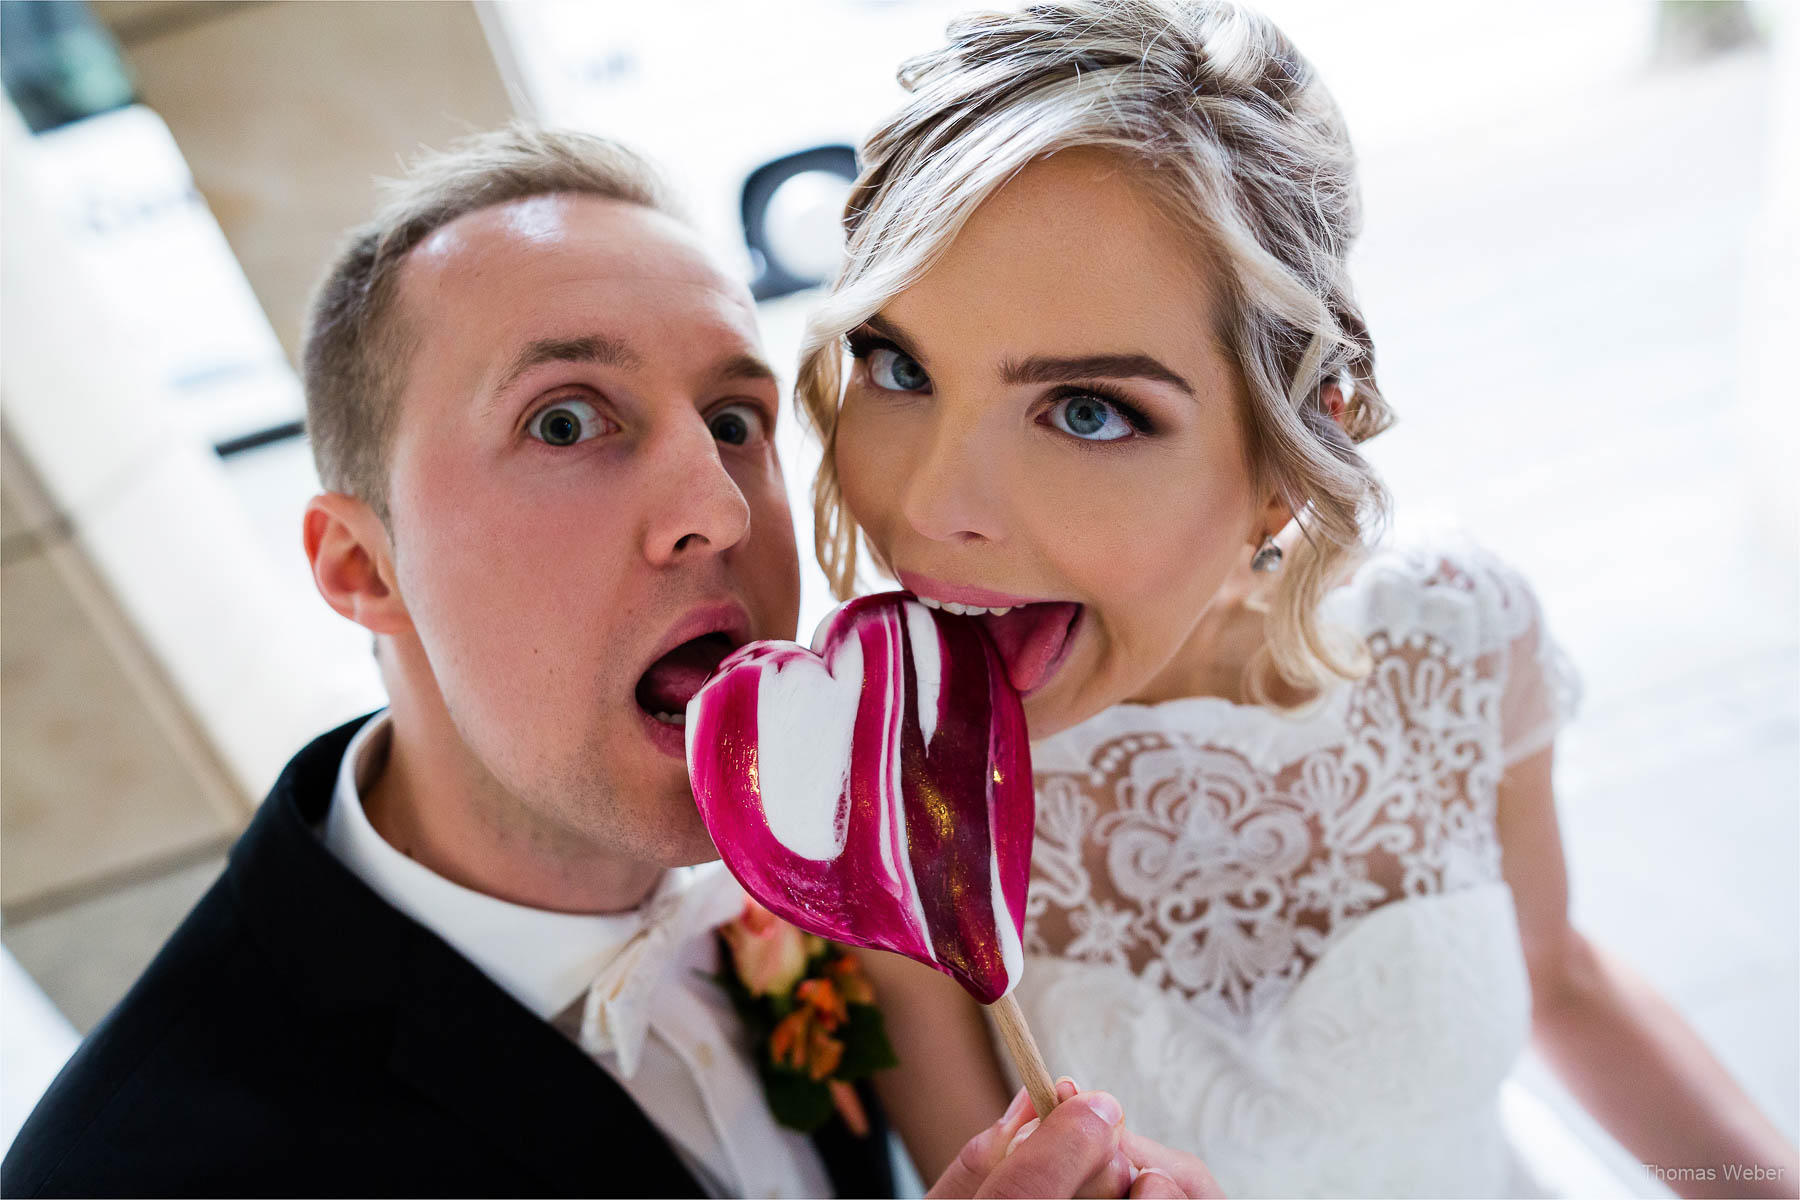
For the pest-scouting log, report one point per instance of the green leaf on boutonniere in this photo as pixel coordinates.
(797, 1101)
(866, 1046)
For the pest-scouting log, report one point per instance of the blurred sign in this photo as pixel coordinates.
(129, 204)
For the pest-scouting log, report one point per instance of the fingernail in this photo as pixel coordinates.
(1105, 1107)
(1017, 1108)
(1142, 1171)
(1030, 1128)
(1066, 1088)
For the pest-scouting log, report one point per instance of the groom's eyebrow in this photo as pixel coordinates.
(744, 368)
(594, 348)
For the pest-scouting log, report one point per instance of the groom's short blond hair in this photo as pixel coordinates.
(358, 342)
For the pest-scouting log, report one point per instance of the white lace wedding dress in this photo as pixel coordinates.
(1283, 941)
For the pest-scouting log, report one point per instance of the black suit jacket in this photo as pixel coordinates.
(299, 1036)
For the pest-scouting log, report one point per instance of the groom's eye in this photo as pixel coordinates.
(737, 424)
(566, 422)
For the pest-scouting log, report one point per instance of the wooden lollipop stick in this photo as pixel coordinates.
(1023, 1048)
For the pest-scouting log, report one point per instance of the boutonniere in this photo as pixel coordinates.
(811, 1014)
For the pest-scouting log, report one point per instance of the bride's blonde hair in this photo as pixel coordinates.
(1242, 146)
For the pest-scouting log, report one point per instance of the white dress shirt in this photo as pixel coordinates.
(694, 1078)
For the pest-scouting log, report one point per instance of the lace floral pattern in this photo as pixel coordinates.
(1216, 851)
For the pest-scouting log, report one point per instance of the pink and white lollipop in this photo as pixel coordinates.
(876, 789)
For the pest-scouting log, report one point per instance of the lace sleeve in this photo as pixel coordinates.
(1542, 689)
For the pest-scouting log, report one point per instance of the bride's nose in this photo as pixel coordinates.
(955, 490)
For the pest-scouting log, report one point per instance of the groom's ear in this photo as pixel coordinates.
(352, 561)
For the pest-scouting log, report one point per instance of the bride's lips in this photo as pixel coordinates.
(1033, 635)
(956, 593)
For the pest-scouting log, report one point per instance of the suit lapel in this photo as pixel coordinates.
(531, 1093)
(460, 1041)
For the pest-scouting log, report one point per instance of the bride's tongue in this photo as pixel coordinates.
(1030, 638)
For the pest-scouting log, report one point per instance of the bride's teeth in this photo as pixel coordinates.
(676, 719)
(965, 610)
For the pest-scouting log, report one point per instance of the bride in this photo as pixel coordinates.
(1094, 370)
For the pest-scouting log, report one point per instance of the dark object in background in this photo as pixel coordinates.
(1690, 31)
(60, 65)
(777, 274)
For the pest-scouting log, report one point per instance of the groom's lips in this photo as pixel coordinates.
(1034, 638)
(685, 657)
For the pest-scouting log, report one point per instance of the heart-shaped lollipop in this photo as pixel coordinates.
(876, 789)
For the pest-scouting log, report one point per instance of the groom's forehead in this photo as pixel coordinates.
(508, 292)
(578, 277)
(563, 236)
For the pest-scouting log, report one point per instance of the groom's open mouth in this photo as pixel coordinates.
(695, 648)
(1033, 636)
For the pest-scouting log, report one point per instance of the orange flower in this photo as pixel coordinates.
(820, 996)
(824, 1053)
(768, 953)
(801, 1041)
(788, 1044)
(852, 984)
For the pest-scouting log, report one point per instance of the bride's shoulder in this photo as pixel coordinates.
(1443, 588)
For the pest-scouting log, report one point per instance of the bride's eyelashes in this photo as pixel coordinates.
(1096, 415)
(1092, 413)
(887, 365)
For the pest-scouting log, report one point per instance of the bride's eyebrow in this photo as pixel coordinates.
(1048, 369)
(1091, 366)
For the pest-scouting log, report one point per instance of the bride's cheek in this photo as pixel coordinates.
(869, 479)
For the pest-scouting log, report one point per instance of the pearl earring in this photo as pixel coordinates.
(1268, 557)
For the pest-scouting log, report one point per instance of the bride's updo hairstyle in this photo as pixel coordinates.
(1234, 135)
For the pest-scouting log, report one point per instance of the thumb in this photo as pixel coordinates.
(1154, 1183)
(983, 1152)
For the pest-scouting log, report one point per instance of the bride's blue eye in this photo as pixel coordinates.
(1091, 419)
(896, 372)
(565, 423)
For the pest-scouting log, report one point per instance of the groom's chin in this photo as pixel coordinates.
(685, 842)
(698, 848)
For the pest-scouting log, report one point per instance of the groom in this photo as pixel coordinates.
(546, 429)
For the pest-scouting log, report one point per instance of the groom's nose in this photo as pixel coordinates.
(692, 506)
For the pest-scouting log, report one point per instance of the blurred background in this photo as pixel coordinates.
(1578, 262)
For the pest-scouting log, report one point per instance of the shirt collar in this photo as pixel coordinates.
(542, 959)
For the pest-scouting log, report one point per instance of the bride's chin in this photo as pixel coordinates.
(1052, 709)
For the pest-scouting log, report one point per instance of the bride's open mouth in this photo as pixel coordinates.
(1034, 637)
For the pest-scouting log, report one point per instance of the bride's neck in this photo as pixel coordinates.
(1213, 660)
